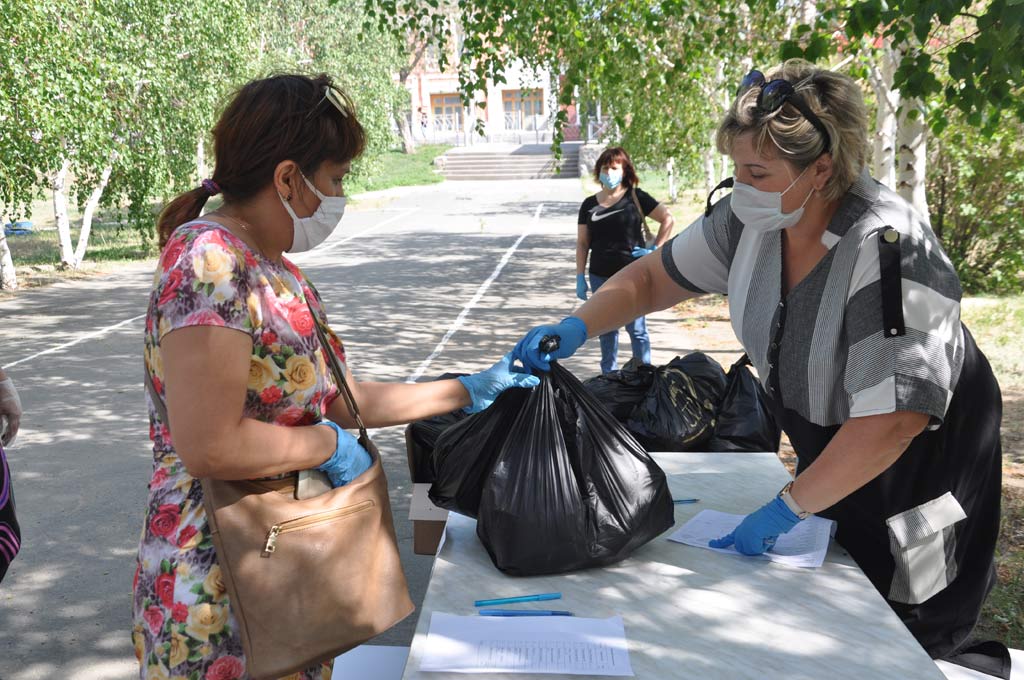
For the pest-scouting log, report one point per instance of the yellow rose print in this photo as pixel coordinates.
(263, 373)
(157, 672)
(213, 264)
(205, 620)
(255, 310)
(213, 584)
(179, 649)
(156, 362)
(138, 639)
(300, 374)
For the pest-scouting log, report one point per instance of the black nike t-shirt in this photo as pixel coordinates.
(614, 231)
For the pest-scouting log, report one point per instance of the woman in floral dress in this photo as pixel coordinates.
(232, 352)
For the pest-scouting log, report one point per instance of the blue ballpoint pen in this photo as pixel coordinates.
(523, 612)
(681, 501)
(521, 598)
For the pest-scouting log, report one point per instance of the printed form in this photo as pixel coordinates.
(804, 546)
(543, 644)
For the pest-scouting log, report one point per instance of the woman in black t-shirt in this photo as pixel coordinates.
(611, 232)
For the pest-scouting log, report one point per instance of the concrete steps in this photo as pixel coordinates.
(522, 163)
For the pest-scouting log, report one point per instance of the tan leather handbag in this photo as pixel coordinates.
(307, 579)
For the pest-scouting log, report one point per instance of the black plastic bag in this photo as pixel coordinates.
(570, 488)
(620, 391)
(421, 437)
(745, 420)
(678, 411)
(464, 453)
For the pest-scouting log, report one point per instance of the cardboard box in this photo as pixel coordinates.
(428, 521)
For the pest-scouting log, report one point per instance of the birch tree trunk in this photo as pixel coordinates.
(8, 276)
(710, 164)
(60, 213)
(912, 139)
(87, 215)
(402, 121)
(201, 169)
(888, 100)
(673, 190)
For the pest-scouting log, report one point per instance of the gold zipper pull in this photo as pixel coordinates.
(271, 545)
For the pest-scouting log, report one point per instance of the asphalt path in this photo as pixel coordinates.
(417, 282)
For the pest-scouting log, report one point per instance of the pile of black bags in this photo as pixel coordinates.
(555, 481)
(690, 404)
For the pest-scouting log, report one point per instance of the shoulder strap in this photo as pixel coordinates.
(643, 218)
(891, 282)
(339, 374)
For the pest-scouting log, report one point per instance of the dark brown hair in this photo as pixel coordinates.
(283, 117)
(616, 154)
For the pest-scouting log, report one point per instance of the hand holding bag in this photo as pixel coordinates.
(307, 579)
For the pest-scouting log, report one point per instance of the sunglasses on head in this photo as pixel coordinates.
(337, 98)
(774, 94)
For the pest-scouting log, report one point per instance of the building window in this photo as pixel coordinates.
(447, 110)
(524, 109)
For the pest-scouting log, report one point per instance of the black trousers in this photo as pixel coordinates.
(963, 457)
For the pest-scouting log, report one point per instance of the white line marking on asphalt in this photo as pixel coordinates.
(101, 331)
(87, 336)
(461, 319)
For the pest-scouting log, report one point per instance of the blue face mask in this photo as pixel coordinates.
(611, 178)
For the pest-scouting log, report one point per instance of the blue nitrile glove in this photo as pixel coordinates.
(640, 251)
(484, 387)
(572, 333)
(759, 530)
(581, 286)
(349, 459)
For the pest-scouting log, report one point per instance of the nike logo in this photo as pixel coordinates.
(598, 218)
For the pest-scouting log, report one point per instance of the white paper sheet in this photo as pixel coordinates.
(543, 644)
(804, 546)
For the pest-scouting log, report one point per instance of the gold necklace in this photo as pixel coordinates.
(245, 227)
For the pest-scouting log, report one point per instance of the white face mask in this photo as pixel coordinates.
(762, 210)
(313, 230)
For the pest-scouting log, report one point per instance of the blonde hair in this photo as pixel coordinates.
(835, 98)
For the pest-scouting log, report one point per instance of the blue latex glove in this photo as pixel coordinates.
(484, 387)
(640, 251)
(349, 459)
(759, 530)
(573, 333)
(581, 286)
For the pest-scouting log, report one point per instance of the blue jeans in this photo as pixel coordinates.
(638, 337)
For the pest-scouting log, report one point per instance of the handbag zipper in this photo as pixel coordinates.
(308, 521)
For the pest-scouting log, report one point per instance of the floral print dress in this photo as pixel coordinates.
(183, 628)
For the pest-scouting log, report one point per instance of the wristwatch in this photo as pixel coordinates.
(787, 498)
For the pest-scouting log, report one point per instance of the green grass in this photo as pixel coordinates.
(397, 169)
(996, 324)
(107, 243)
(1003, 615)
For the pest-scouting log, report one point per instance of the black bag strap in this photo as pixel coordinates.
(889, 262)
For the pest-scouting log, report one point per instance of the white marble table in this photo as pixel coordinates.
(692, 613)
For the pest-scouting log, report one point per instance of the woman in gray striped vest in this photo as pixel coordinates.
(848, 307)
